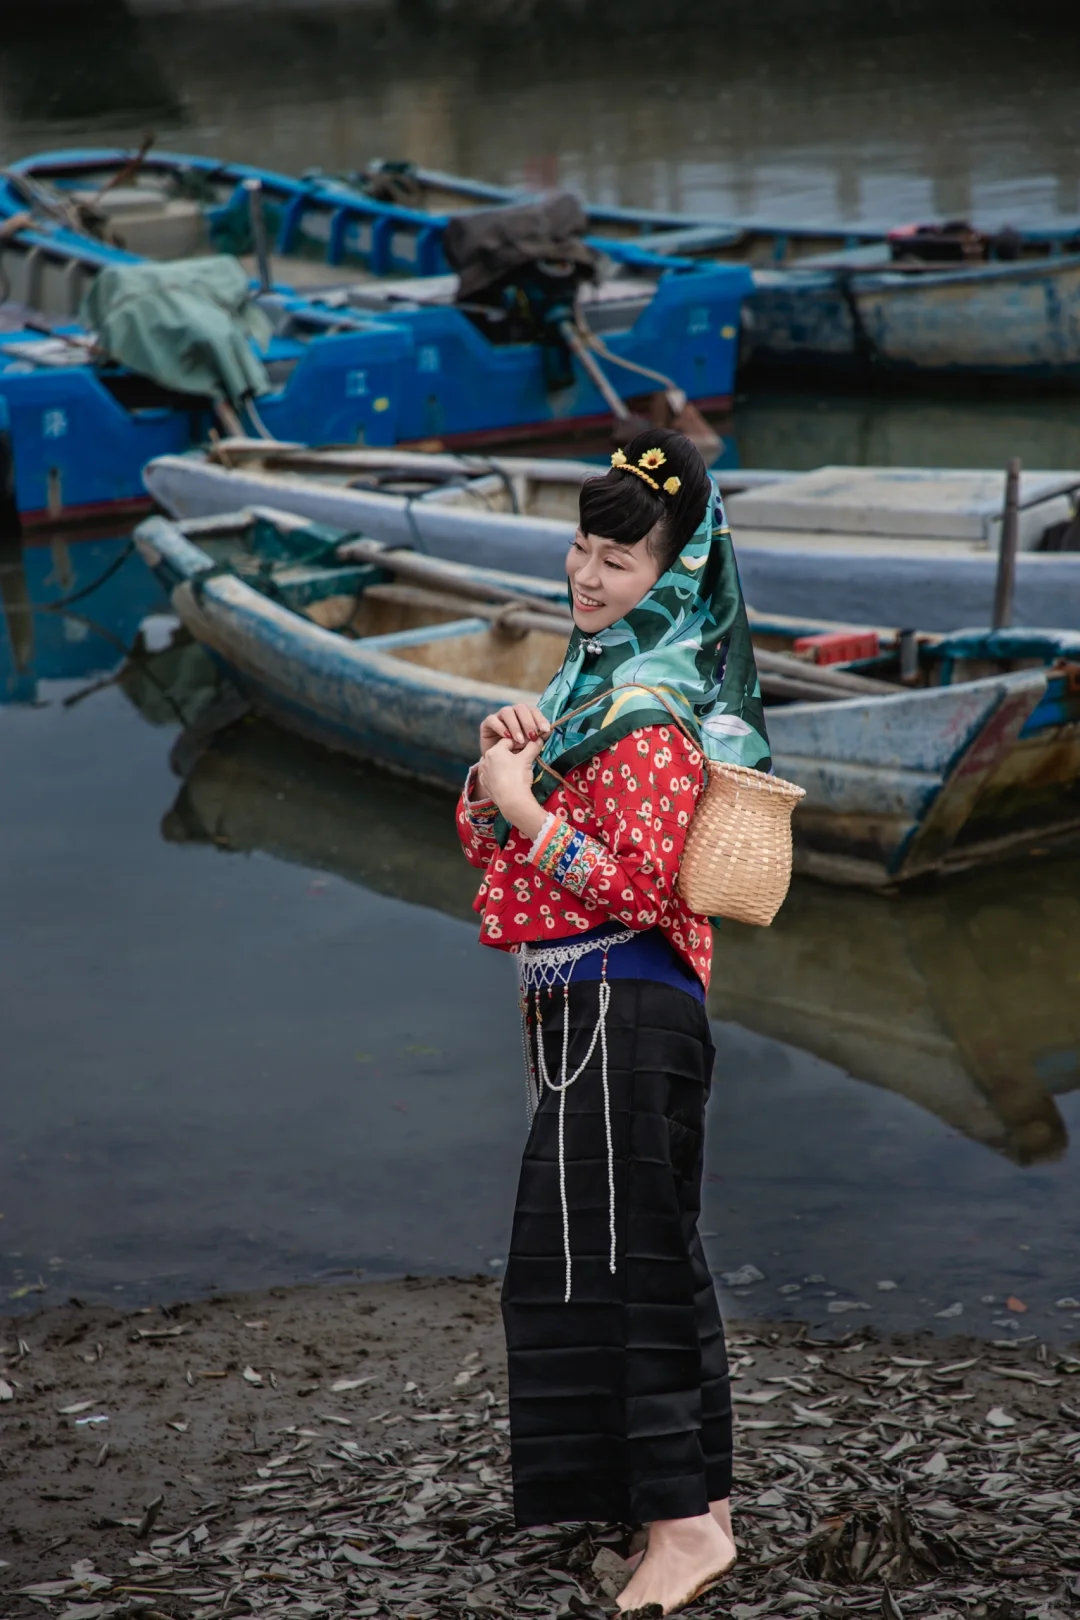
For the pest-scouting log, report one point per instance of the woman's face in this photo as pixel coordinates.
(607, 579)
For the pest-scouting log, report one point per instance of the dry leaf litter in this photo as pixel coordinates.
(903, 1478)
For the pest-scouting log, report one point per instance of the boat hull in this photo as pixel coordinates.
(837, 317)
(893, 784)
(1018, 323)
(81, 433)
(936, 588)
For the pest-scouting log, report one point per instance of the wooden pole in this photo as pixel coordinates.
(258, 232)
(614, 401)
(1010, 534)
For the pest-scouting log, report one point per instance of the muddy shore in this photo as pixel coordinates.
(134, 1445)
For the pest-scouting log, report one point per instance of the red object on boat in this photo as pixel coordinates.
(840, 646)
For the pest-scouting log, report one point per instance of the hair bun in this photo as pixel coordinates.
(626, 509)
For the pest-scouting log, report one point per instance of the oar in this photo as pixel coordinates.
(429, 571)
(671, 404)
(626, 424)
(783, 669)
(127, 171)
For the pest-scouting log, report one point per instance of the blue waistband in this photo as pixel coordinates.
(647, 956)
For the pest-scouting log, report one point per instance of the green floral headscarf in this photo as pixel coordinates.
(688, 636)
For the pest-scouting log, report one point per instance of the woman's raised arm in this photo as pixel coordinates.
(644, 790)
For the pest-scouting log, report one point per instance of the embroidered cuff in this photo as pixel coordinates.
(481, 813)
(565, 854)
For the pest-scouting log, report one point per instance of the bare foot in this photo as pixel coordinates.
(721, 1512)
(682, 1558)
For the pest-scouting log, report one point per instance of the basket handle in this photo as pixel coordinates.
(654, 691)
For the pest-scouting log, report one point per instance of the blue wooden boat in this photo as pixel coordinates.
(882, 545)
(396, 658)
(82, 429)
(172, 204)
(887, 305)
(754, 241)
(353, 366)
(890, 306)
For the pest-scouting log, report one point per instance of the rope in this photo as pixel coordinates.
(88, 590)
(418, 539)
(125, 649)
(260, 426)
(597, 344)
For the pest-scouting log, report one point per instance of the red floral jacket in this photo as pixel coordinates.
(609, 851)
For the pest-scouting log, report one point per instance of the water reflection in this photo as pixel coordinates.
(962, 999)
(801, 430)
(40, 641)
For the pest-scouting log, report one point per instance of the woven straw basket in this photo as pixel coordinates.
(737, 858)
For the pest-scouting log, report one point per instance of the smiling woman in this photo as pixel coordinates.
(578, 811)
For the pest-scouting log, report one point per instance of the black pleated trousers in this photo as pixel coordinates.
(620, 1406)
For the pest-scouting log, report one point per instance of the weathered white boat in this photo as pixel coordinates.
(396, 659)
(848, 317)
(857, 544)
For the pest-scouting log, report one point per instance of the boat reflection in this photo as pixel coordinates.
(254, 787)
(38, 640)
(963, 1000)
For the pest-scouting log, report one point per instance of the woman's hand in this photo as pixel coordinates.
(520, 723)
(505, 775)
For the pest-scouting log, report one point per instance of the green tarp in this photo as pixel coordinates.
(189, 325)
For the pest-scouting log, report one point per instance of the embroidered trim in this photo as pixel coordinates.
(566, 854)
(481, 814)
(550, 821)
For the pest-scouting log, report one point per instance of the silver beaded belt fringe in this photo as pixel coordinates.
(543, 967)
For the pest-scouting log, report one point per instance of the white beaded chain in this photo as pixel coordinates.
(544, 967)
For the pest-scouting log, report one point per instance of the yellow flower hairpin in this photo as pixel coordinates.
(652, 459)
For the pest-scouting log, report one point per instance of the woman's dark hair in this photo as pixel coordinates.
(621, 506)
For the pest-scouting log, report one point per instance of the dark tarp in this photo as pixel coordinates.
(485, 246)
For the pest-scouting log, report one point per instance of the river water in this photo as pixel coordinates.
(249, 1037)
(247, 1034)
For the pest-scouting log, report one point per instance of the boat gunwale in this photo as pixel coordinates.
(155, 539)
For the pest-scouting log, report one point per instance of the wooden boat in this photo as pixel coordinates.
(396, 658)
(956, 1001)
(877, 545)
(845, 318)
(172, 204)
(750, 240)
(903, 305)
(888, 304)
(348, 364)
(82, 429)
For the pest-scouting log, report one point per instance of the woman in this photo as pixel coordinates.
(620, 1408)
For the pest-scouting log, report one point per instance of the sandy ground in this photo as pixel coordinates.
(184, 1421)
(103, 1413)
